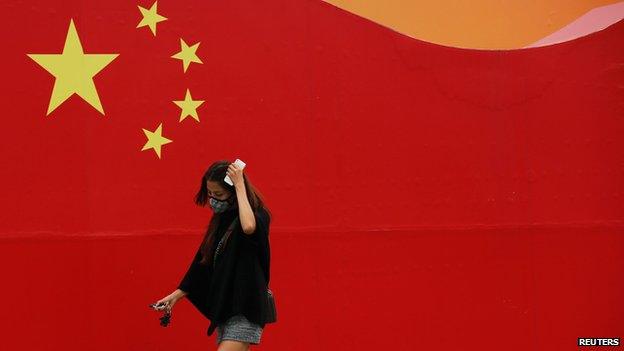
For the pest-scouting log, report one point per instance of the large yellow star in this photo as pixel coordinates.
(187, 54)
(150, 17)
(155, 140)
(74, 71)
(189, 106)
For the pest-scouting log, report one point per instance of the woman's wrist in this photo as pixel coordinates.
(239, 186)
(179, 293)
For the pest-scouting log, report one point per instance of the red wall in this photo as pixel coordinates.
(423, 197)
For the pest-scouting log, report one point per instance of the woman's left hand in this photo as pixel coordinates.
(235, 173)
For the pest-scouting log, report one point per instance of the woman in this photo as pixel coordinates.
(230, 289)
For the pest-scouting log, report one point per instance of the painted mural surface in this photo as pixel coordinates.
(442, 176)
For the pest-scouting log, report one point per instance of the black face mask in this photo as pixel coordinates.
(219, 206)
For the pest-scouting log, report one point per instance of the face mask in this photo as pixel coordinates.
(219, 206)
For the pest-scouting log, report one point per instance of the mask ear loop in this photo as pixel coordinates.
(234, 201)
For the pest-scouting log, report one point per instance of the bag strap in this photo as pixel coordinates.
(229, 230)
(224, 240)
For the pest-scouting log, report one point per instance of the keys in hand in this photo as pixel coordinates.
(165, 319)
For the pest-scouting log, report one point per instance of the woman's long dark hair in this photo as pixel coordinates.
(216, 173)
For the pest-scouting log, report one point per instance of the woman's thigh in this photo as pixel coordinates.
(233, 345)
(238, 328)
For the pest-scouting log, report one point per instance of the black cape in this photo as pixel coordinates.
(238, 283)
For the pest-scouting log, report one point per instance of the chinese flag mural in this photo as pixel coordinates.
(423, 196)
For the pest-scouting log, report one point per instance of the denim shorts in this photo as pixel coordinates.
(240, 329)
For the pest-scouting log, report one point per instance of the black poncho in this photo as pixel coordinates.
(238, 283)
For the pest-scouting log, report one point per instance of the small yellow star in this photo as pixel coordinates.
(189, 106)
(150, 17)
(73, 71)
(155, 140)
(187, 54)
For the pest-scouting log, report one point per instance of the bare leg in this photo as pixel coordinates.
(233, 345)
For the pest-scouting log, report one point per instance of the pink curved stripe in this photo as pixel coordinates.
(593, 21)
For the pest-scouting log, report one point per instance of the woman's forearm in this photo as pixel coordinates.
(248, 221)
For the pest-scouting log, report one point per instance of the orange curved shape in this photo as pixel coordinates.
(485, 24)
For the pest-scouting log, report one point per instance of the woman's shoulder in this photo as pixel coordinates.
(264, 216)
(264, 211)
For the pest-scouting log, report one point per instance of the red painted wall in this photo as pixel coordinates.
(424, 197)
